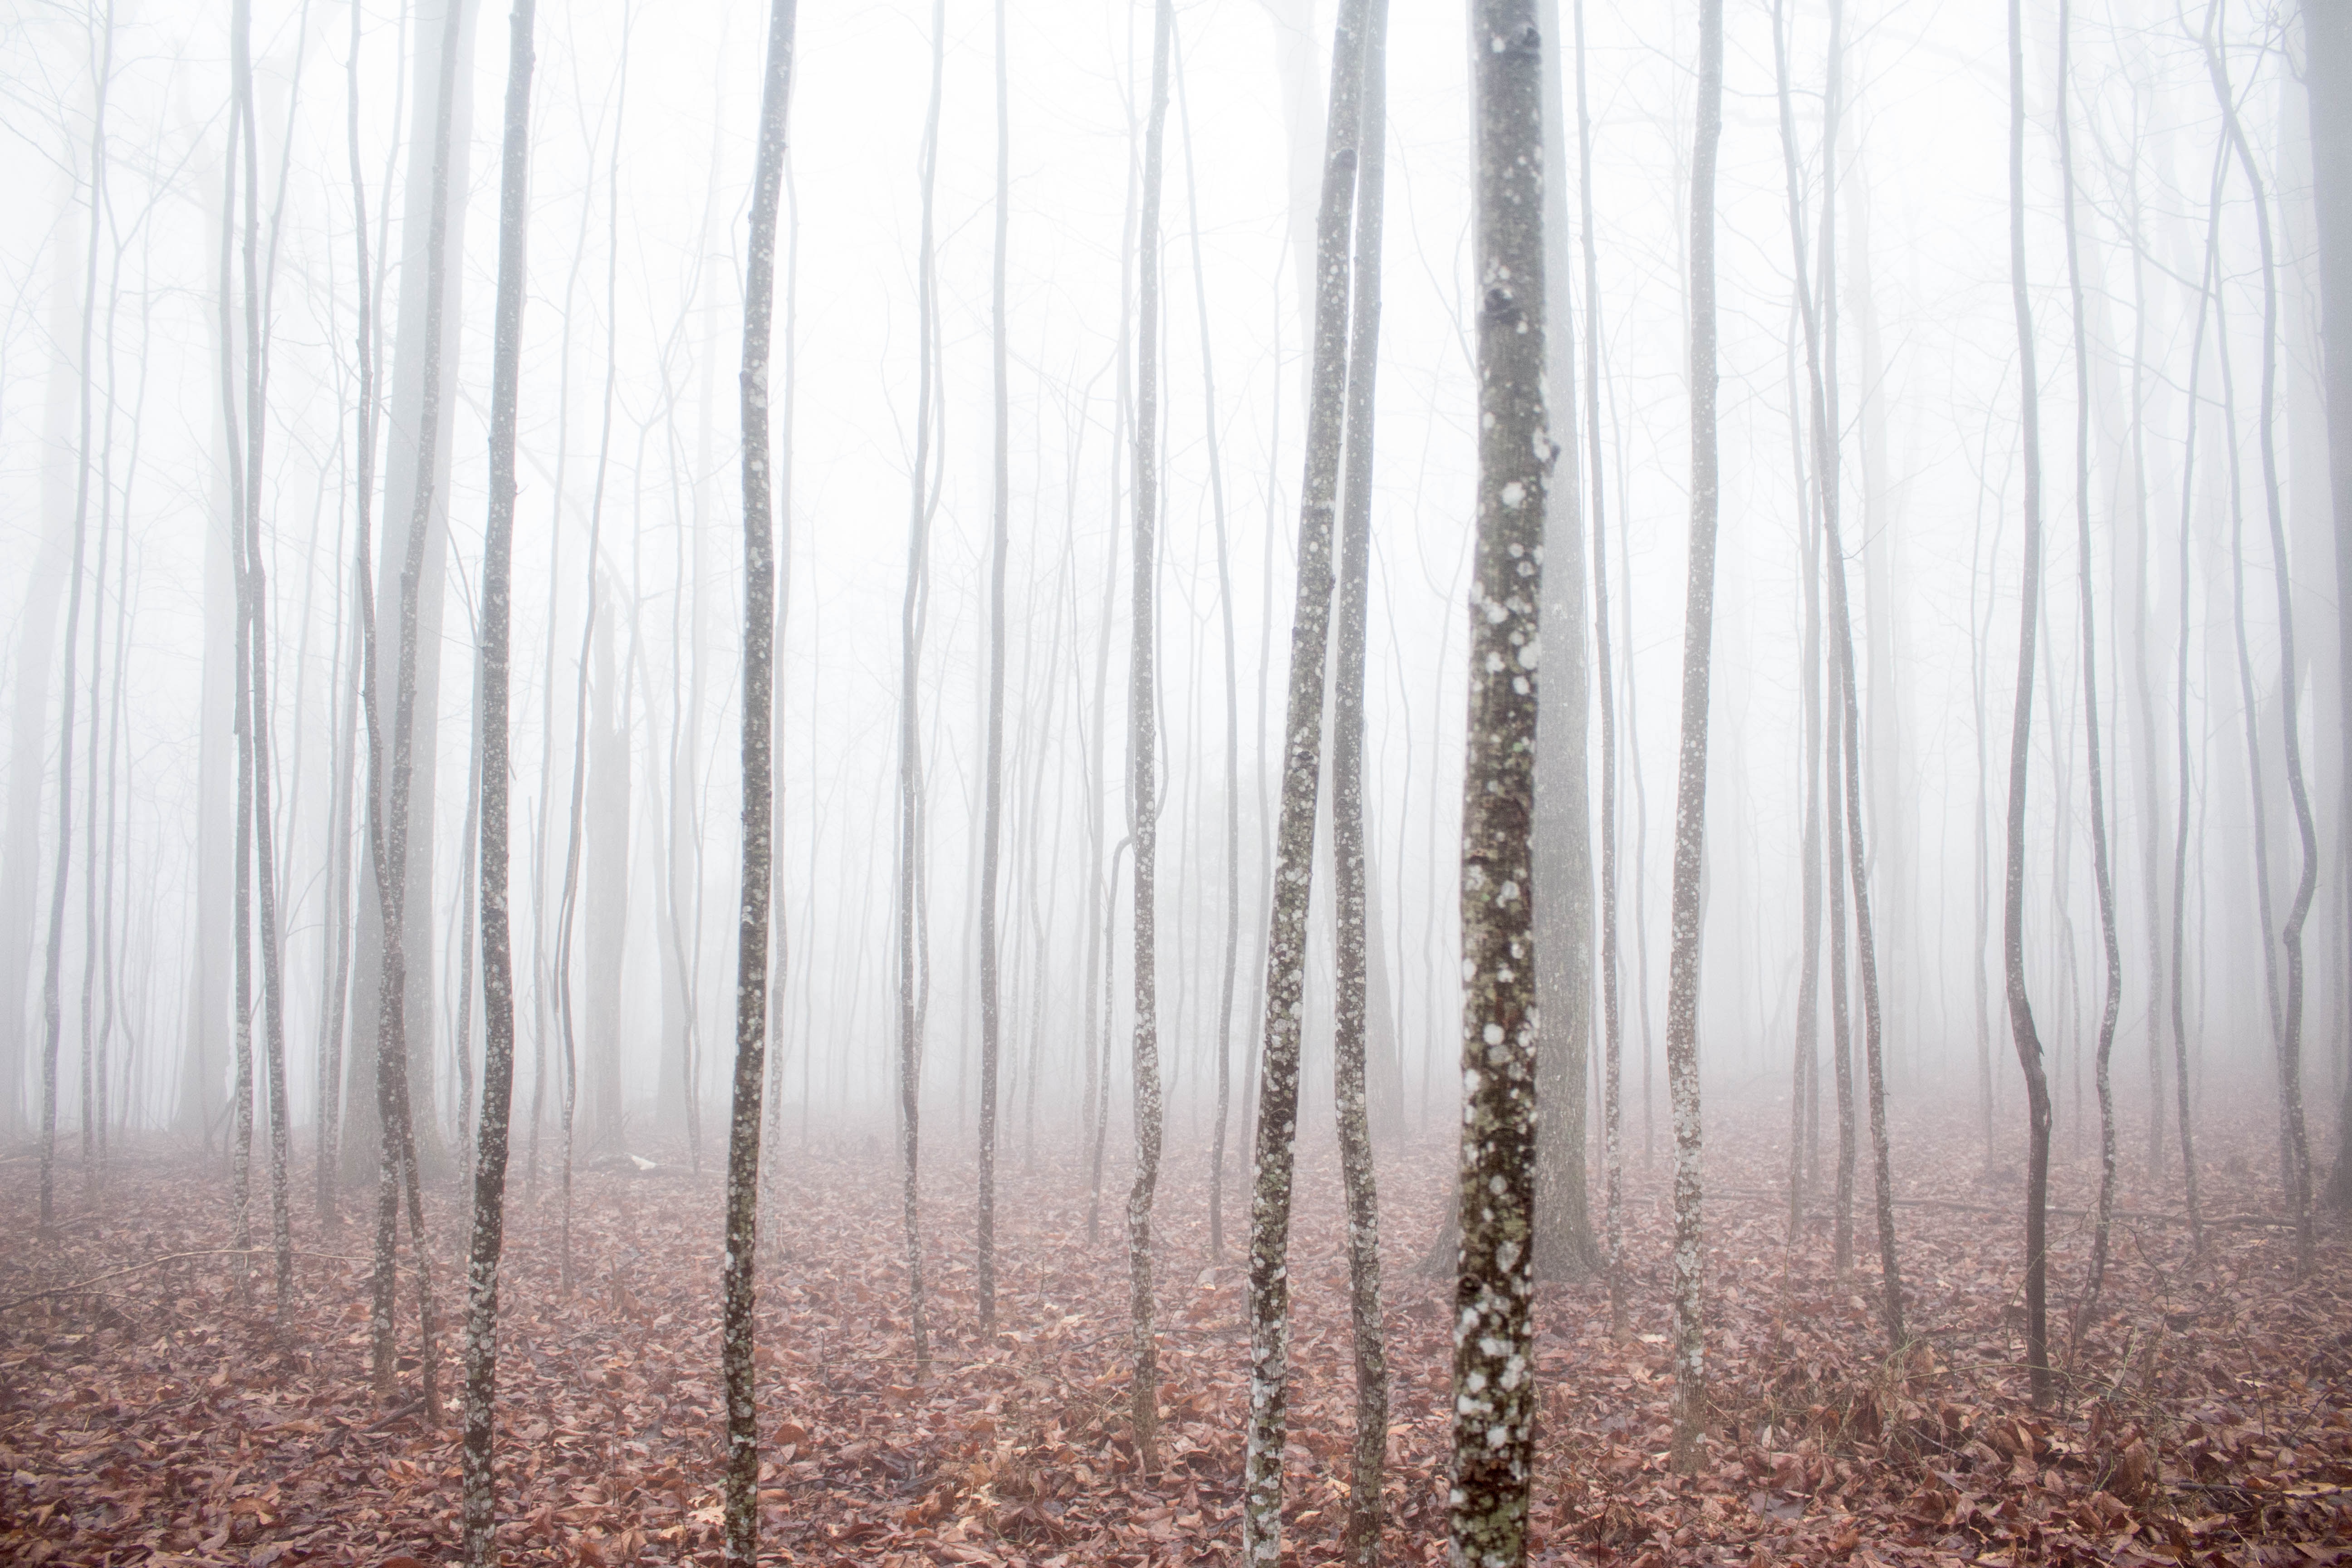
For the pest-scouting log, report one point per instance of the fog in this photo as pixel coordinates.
(2175, 318)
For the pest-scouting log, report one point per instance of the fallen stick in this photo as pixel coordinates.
(77, 1288)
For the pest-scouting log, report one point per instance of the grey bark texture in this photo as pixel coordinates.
(1493, 1328)
(1293, 846)
(2020, 745)
(1142, 778)
(1690, 784)
(1563, 885)
(493, 664)
(1350, 1087)
(759, 808)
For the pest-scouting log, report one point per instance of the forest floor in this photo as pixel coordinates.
(155, 1417)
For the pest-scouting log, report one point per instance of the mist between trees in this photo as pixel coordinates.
(748, 598)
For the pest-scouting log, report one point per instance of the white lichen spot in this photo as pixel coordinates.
(1493, 1034)
(1515, 496)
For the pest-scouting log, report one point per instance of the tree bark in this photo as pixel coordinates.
(2327, 79)
(1143, 780)
(478, 1496)
(1294, 864)
(1494, 1334)
(992, 785)
(2020, 746)
(1690, 785)
(1355, 587)
(759, 808)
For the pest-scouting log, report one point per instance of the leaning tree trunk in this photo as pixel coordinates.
(1357, 1166)
(992, 783)
(1142, 781)
(2020, 746)
(1690, 785)
(758, 809)
(1294, 864)
(1494, 1335)
(2101, 871)
(491, 689)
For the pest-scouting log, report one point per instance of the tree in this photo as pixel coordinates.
(1690, 784)
(2021, 744)
(1142, 781)
(911, 756)
(2298, 1148)
(2101, 871)
(2328, 80)
(1000, 544)
(1348, 1088)
(759, 808)
(491, 687)
(1494, 1335)
(1563, 885)
(52, 1014)
(1294, 864)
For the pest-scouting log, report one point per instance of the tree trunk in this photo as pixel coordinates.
(1494, 1337)
(1001, 514)
(490, 694)
(1690, 784)
(1294, 863)
(759, 808)
(2020, 746)
(910, 776)
(1142, 779)
(1347, 1049)
(1563, 885)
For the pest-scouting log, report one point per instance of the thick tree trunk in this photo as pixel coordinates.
(2327, 79)
(1494, 1334)
(1294, 864)
(492, 684)
(2020, 746)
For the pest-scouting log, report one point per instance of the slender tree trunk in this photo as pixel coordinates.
(911, 780)
(2101, 871)
(1690, 787)
(2298, 1174)
(1142, 778)
(1294, 862)
(1231, 959)
(388, 833)
(490, 694)
(759, 808)
(1611, 1119)
(2020, 747)
(1494, 1335)
(991, 1025)
(1355, 588)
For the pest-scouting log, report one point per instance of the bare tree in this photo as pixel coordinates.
(1493, 1333)
(1294, 867)
(491, 687)
(1143, 780)
(992, 784)
(2020, 746)
(1690, 787)
(52, 1012)
(1348, 1096)
(759, 807)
